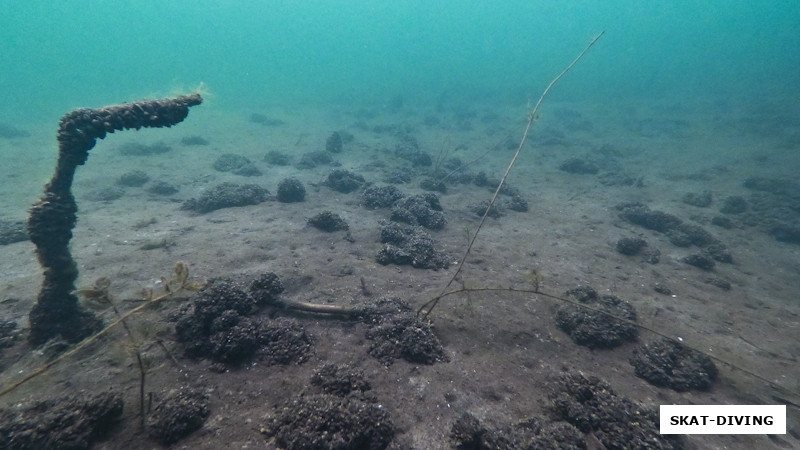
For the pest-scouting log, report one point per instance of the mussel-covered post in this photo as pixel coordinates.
(57, 312)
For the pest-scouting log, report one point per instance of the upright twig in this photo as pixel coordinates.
(182, 284)
(426, 308)
(136, 349)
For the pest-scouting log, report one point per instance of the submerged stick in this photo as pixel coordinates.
(184, 285)
(428, 307)
(57, 312)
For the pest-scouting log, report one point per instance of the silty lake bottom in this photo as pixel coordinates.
(682, 219)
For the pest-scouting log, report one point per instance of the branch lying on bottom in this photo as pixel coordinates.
(337, 310)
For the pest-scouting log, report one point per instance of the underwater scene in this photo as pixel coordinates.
(396, 225)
